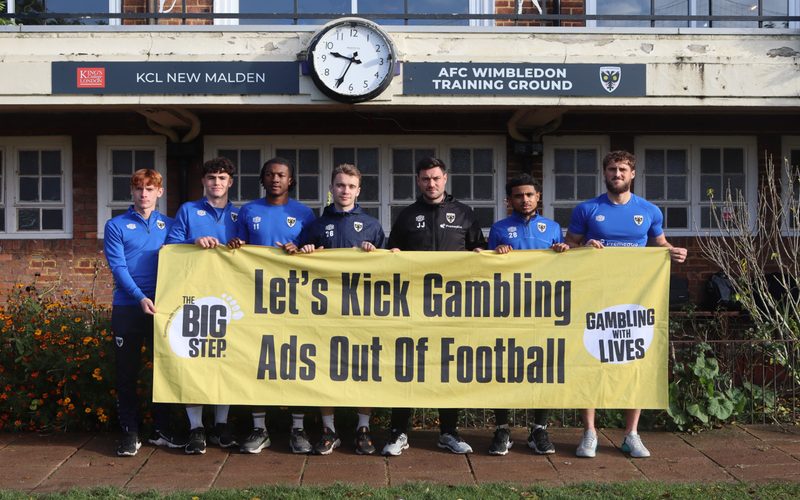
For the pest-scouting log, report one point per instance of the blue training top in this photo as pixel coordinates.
(131, 245)
(196, 219)
(262, 224)
(534, 234)
(628, 225)
(338, 229)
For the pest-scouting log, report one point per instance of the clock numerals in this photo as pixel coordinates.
(353, 33)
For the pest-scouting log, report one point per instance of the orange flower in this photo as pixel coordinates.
(87, 410)
(37, 333)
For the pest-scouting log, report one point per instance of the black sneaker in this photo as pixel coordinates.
(540, 443)
(222, 435)
(501, 442)
(197, 442)
(256, 441)
(161, 438)
(298, 442)
(364, 445)
(129, 445)
(327, 443)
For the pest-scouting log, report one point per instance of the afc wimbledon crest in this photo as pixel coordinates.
(358, 226)
(541, 226)
(638, 219)
(450, 217)
(234, 216)
(610, 76)
(161, 224)
(291, 221)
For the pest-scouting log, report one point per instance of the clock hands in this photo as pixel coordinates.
(350, 60)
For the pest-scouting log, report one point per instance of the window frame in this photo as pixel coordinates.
(106, 144)
(9, 148)
(693, 145)
(789, 143)
(599, 142)
(384, 143)
(114, 7)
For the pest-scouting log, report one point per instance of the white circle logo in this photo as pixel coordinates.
(619, 334)
(198, 329)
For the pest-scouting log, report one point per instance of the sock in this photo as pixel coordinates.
(297, 420)
(260, 420)
(195, 414)
(502, 426)
(537, 426)
(363, 420)
(221, 414)
(327, 421)
(632, 433)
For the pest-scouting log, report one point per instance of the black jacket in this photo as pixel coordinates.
(450, 225)
(336, 229)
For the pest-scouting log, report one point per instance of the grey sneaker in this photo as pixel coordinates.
(256, 441)
(453, 442)
(588, 446)
(161, 438)
(299, 443)
(633, 444)
(129, 445)
(397, 442)
(501, 442)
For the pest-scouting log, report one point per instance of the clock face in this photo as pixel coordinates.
(352, 60)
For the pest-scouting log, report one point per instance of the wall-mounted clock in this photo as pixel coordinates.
(351, 60)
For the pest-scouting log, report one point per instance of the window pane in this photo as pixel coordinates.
(28, 219)
(51, 189)
(460, 160)
(677, 217)
(260, 6)
(309, 161)
(118, 211)
(52, 219)
(2, 220)
(565, 188)
(587, 187)
(372, 211)
(145, 159)
(120, 189)
(709, 161)
(402, 187)
(586, 161)
(461, 186)
(483, 161)
(419, 154)
(369, 188)
(563, 161)
(368, 160)
(28, 163)
(121, 162)
(485, 216)
(51, 162)
(676, 161)
(711, 182)
(734, 160)
(482, 187)
(439, 7)
(250, 161)
(623, 7)
(63, 6)
(654, 161)
(343, 155)
(29, 189)
(655, 187)
(735, 183)
(676, 188)
(250, 189)
(562, 215)
(309, 190)
(402, 161)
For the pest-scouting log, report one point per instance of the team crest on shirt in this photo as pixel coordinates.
(420, 221)
(541, 226)
(450, 217)
(161, 224)
(201, 213)
(119, 341)
(512, 229)
(600, 218)
(234, 216)
(638, 219)
(131, 226)
(291, 221)
(358, 226)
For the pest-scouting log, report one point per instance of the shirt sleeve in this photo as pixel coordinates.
(114, 248)
(475, 238)
(494, 238)
(179, 233)
(656, 228)
(577, 221)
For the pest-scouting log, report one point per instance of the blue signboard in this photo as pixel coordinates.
(139, 78)
(499, 79)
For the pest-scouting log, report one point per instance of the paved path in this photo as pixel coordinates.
(35, 463)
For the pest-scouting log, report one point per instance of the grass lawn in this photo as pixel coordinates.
(632, 490)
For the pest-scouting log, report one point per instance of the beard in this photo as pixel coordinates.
(617, 189)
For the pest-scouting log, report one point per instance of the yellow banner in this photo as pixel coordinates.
(530, 329)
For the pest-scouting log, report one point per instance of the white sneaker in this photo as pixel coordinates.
(633, 444)
(588, 446)
(453, 442)
(398, 442)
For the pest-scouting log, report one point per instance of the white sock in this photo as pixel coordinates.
(327, 421)
(260, 420)
(537, 426)
(221, 414)
(632, 433)
(195, 414)
(502, 426)
(363, 420)
(297, 420)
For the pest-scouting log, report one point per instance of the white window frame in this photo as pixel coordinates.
(693, 145)
(326, 144)
(788, 143)
(105, 145)
(475, 7)
(9, 148)
(599, 142)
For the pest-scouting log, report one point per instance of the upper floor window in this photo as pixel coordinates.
(338, 8)
(693, 8)
(65, 7)
(35, 187)
(118, 157)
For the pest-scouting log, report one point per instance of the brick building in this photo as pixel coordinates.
(493, 87)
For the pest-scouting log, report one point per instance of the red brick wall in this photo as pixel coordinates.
(571, 7)
(192, 6)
